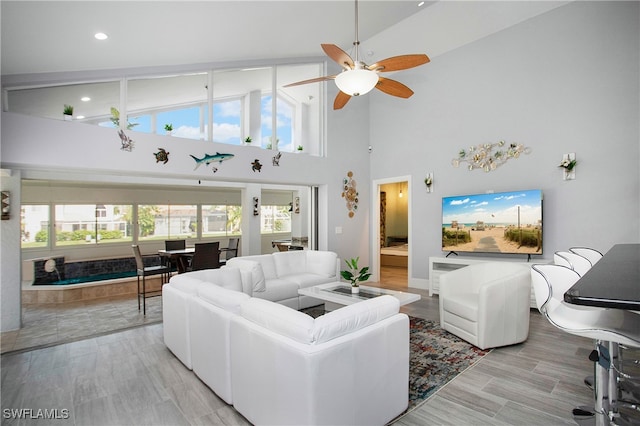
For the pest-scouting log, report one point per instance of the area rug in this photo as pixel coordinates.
(436, 357)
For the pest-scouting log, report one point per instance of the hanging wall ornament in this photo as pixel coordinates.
(126, 143)
(276, 159)
(350, 194)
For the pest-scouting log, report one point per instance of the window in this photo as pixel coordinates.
(226, 122)
(162, 222)
(92, 224)
(34, 225)
(225, 105)
(275, 219)
(221, 220)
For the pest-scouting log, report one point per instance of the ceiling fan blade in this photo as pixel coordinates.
(341, 100)
(312, 80)
(398, 63)
(393, 88)
(338, 55)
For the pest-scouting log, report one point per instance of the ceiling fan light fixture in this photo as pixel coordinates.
(356, 82)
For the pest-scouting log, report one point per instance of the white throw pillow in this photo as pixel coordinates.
(257, 273)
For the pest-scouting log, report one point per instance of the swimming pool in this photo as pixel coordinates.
(91, 278)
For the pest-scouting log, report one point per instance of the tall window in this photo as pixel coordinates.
(34, 225)
(92, 224)
(227, 123)
(161, 222)
(275, 219)
(221, 220)
(240, 103)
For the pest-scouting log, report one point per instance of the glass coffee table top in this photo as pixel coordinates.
(340, 293)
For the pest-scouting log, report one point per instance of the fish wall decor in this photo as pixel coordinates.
(208, 159)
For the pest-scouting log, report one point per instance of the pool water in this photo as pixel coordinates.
(91, 278)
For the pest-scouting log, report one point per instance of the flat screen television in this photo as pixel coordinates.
(500, 222)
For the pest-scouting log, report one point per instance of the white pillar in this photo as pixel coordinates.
(10, 256)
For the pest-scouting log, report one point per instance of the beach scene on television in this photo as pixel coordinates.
(505, 222)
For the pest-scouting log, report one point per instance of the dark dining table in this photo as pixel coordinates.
(613, 282)
(181, 257)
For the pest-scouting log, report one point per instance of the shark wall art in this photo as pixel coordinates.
(208, 159)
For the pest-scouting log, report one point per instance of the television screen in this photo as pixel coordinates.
(504, 222)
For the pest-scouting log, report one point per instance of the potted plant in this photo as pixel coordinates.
(168, 128)
(354, 274)
(248, 140)
(68, 112)
(299, 148)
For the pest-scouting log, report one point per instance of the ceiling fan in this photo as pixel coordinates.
(358, 78)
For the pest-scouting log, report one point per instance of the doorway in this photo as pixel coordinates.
(391, 227)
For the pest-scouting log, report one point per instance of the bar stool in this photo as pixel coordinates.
(608, 327)
(573, 261)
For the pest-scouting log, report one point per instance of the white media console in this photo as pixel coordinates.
(442, 265)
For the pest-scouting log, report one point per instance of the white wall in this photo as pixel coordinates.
(10, 288)
(565, 81)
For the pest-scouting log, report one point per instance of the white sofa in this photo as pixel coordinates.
(487, 304)
(278, 276)
(347, 367)
(275, 277)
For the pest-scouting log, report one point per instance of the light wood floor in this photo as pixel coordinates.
(129, 377)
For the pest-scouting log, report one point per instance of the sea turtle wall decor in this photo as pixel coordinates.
(161, 156)
(256, 166)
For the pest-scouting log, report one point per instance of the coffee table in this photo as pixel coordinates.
(339, 294)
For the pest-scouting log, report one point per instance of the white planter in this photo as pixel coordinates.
(67, 117)
(355, 289)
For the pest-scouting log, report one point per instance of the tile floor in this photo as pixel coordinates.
(53, 323)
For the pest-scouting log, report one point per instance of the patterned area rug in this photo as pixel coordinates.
(436, 357)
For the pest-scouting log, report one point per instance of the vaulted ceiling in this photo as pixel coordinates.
(58, 36)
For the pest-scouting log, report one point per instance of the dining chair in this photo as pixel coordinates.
(231, 250)
(170, 245)
(206, 256)
(145, 271)
(573, 261)
(592, 255)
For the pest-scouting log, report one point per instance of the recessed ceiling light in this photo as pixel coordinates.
(420, 4)
(101, 36)
(80, 117)
(85, 99)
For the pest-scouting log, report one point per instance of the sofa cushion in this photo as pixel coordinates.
(279, 319)
(304, 329)
(228, 278)
(322, 263)
(308, 280)
(464, 305)
(290, 262)
(187, 284)
(226, 299)
(257, 272)
(277, 290)
(354, 317)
